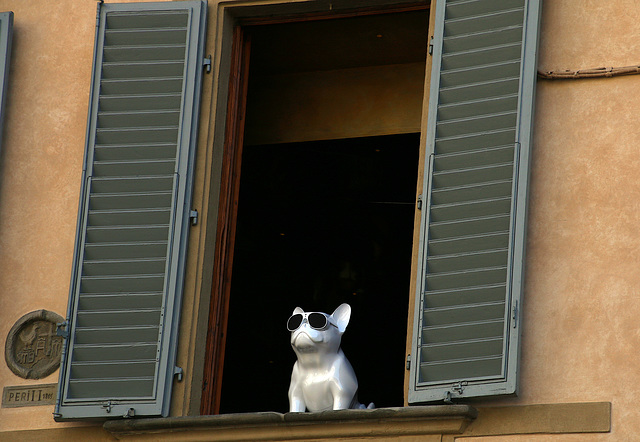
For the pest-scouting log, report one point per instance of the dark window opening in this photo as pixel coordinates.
(321, 223)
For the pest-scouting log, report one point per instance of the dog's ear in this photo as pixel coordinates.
(297, 310)
(341, 317)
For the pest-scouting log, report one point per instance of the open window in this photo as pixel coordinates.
(326, 199)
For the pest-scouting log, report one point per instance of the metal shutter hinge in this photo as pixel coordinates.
(61, 329)
(194, 217)
(455, 388)
(431, 46)
(408, 362)
(514, 316)
(178, 371)
(207, 63)
(420, 202)
(130, 413)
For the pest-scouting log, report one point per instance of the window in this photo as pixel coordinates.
(135, 211)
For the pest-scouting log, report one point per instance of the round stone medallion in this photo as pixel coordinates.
(33, 349)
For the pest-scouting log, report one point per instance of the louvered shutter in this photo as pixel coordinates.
(6, 32)
(466, 329)
(119, 356)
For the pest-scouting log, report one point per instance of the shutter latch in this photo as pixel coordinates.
(458, 388)
(207, 63)
(514, 315)
(107, 406)
(61, 329)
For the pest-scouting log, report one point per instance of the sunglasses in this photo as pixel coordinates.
(316, 321)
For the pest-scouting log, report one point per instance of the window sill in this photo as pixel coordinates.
(382, 422)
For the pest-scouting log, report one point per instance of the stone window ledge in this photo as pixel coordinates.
(382, 422)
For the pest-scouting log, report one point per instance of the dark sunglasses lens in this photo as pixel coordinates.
(317, 320)
(294, 322)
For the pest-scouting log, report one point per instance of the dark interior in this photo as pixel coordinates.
(324, 222)
(321, 223)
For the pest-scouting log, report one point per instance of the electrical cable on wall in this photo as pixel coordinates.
(589, 73)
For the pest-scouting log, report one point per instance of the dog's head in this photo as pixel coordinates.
(317, 332)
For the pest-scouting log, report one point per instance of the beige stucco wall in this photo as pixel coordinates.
(580, 333)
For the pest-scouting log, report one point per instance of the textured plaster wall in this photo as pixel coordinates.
(40, 170)
(580, 329)
(581, 332)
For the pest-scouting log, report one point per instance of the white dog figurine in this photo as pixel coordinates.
(322, 378)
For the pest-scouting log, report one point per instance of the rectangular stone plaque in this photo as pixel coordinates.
(29, 395)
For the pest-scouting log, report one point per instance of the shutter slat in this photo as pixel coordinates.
(463, 332)
(130, 300)
(468, 243)
(119, 234)
(116, 352)
(118, 318)
(482, 56)
(486, 73)
(149, 36)
(121, 284)
(477, 348)
(138, 183)
(167, 52)
(103, 389)
(484, 140)
(484, 22)
(124, 266)
(135, 152)
(467, 295)
(137, 86)
(472, 175)
(464, 314)
(467, 260)
(139, 118)
(469, 227)
(481, 367)
(123, 103)
(487, 103)
(130, 200)
(116, 335)
(483, 39)
(129, 217)
(478, 8)
(144, 69)
(101, 371)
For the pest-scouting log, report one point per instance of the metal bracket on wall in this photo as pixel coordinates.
(178, 371)
(207, 63)
(61, 329)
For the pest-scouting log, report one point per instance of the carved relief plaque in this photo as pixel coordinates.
(32, 350)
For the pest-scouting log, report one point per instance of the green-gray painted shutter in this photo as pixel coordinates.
(119, 356)
(6, 32)
(466, 327)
